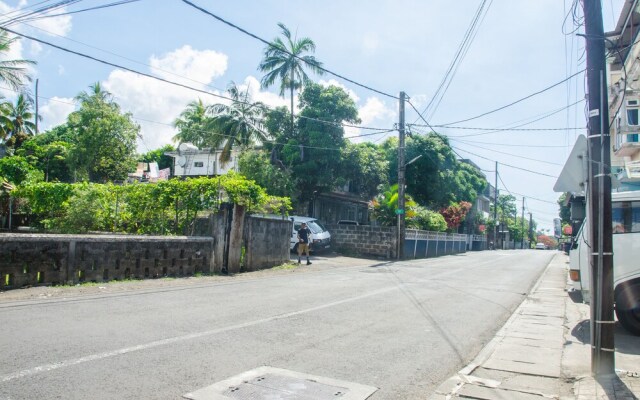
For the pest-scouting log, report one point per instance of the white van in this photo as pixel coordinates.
(625, 207)
(320, 237)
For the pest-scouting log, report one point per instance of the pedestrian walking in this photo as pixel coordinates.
(303, 242)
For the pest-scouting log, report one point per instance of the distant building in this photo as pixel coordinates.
(482, 205)
(188, 160)
(624, 96)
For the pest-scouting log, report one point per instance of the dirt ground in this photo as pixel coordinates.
(52, 292)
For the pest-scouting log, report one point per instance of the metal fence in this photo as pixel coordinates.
(425, 244)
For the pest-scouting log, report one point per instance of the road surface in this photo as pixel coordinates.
(402, 327)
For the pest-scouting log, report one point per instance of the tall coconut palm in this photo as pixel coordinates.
(237, 124)
(12, 72)
(20, 121)
(95, 94)
(286, 61)
(193, 124)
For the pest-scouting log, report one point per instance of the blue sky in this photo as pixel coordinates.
(405, 45)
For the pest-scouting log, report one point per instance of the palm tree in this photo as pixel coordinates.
(236, 124)
(12, 72)
(18, 120)
(95, 94)
(5, 121)
(286, 61)
(193, 124)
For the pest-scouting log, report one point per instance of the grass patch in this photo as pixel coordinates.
(286, 266)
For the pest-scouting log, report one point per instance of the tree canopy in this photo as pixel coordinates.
(437, 178)
(104, 138)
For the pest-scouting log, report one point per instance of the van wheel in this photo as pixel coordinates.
(295, 248)
(628, 308)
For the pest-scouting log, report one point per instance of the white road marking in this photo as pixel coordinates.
(177, 339)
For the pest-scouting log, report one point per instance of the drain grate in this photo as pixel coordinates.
(286, 387)
(267, 383)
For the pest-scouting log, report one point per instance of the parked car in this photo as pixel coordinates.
(541, 246)
(347, 222)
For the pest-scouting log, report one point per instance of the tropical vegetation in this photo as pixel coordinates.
(69, 178)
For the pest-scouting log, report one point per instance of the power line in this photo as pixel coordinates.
(108, 5)
(508, 165)
(507, 144)
(514, 102)
(23, 8)
(42, 10)
(433, 130)
(459, 56)
(273, 142)
(453, 149)
(124, 57)
(499, 129)
(544, 116)
(511, 126)
(509, 154)
(264, 107)
(209, 13)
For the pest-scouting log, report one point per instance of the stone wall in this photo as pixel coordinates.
(39, 259)
(266, 242)
(366, 240)
(377, 241)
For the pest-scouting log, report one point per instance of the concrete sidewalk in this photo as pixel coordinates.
(543, 351)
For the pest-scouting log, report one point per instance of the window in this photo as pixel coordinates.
(198, 164)
(632, 120)
(632, 116)
(625, 216)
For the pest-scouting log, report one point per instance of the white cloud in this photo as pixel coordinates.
(333, 82)
(60, 26)
(53, 25)
(150, 100)
(370, 43)
(375, 113)
(188, 65)
(155, 104)
(36, 48)
(61, 69)
(420, 100)
(55, 112)
(268, 98)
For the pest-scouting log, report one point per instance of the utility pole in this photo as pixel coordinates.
(530, 228)
(401, 179)
(495, 211)
(522, 226)
(599, 192)
(37, 115)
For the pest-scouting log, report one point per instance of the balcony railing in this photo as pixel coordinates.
(627, 141)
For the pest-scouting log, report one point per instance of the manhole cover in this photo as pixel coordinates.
(288, 387)
(279, 384)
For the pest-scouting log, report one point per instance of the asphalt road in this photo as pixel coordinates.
(402, 327)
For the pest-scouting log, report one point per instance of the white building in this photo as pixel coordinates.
(188, 160)
(624, 96)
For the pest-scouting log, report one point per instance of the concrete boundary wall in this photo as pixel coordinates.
(43, 259)
(266, 242)
(366, 240)
(380, 241)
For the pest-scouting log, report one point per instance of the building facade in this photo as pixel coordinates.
(189, 161)
(624, 96)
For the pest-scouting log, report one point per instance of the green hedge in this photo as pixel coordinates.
(167, 207)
